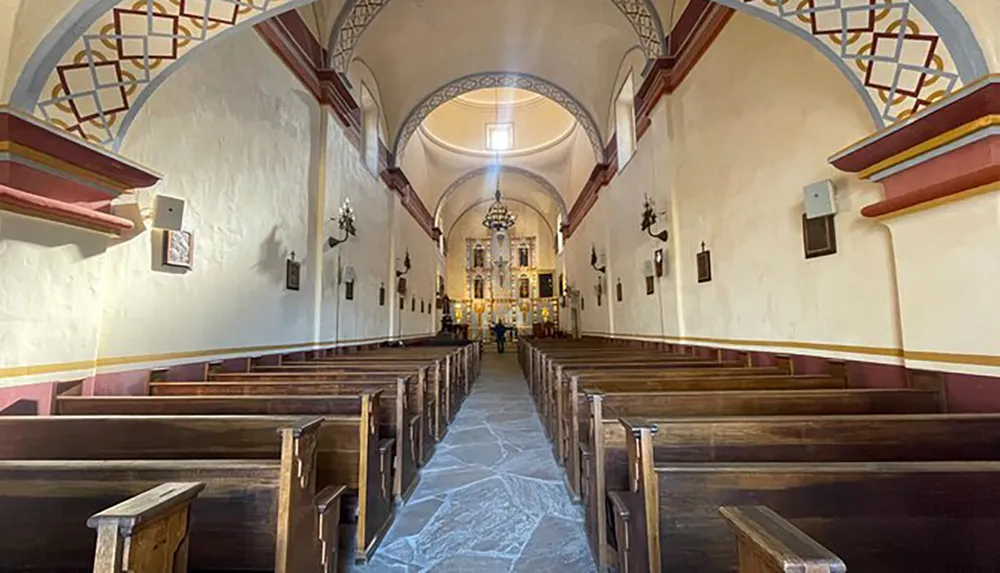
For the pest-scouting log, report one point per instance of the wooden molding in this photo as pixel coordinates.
(49, 174)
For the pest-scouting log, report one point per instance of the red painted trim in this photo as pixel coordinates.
(28, 132)
(33, 205)
(396, 180)
(969, 167)
(277, 35)
(979, 101)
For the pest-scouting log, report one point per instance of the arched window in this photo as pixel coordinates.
(477, 287)
(478, 257)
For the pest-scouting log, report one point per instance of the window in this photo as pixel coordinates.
(523, 256)
(478, 257)
(625, 122)
(499, 136)
(477, 287)
(369, 130)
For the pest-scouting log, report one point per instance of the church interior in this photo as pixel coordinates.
(311, 286)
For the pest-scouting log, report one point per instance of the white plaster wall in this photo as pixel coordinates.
(594, 231)
(233, 131)
(51, 288)
(420, 281)
(948, 275)
(347, 177)
(745, 147)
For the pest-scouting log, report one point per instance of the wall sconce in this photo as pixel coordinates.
(594, 261)
(649, 220)
(406, 265)
(346, 223)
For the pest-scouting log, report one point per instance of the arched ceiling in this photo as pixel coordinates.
(415, 48)
(460, 125)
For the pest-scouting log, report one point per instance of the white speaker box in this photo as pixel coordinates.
(820, 199)
(168, 213)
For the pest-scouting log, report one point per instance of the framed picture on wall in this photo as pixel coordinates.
(178, 249)
(293, 273)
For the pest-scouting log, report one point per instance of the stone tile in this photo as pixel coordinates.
(413, 518)
(556, 546)
(480, 435)
(478, 454)
(537, 464)
(468, 563)
(444, 481)
(542, 498)
(443, 460)
(483, 517)
(382, 564)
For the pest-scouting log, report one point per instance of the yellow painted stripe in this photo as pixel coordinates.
(246, 351)
(953, 198)
(932, 144)
(60, 165)
(919, 355)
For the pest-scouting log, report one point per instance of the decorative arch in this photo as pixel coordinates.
(103, 61)
(900, 55)
(357, 15)
(468, 209)
(542, 182)
(473, 82)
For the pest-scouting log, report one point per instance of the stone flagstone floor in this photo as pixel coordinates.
(492, 498)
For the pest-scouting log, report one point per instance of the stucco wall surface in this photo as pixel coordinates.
(23, 26)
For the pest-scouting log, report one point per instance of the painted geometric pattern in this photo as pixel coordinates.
(100, 77)
(888, 44)
(358, 14)
(353, 20)
(500, 80)
(646, 23)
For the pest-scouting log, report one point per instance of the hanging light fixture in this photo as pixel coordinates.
(498, 218)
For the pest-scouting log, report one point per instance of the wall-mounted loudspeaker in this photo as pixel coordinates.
(820, 199)
(168, 213)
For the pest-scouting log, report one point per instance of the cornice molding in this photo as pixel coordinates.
(289, 37)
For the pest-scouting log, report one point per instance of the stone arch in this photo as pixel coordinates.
(542, 182)
(357, 15)
(103, 61)
(473, 82)
(900, 55)
(469, 208)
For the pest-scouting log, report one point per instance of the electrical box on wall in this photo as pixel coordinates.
(168, 213)
(820, 199)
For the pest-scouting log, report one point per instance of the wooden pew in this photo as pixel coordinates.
(400, 397)
(667, 518)
(767, 543)
(269, 467)
(604, 444)
(572, 405)
(47, 521)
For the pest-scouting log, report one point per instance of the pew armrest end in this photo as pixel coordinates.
(777, 544)
(618, 505)
(147, 506)
(386, 445)
(329, 496)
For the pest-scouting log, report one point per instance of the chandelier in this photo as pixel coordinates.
(498, 218)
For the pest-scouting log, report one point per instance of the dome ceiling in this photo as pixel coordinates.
(536, 122)
(574, 44)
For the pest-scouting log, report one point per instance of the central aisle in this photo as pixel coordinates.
(492, 498)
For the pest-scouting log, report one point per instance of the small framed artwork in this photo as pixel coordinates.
(658, 262)
(413, 305)
(618, 290)
(178, 249)
(422, 309)
(293, 273)
(402, 303)
(381, 294)
(819, 236)
(650, 285)
(349, 290)
(704, 265)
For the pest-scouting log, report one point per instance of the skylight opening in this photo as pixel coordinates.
(499, 136)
